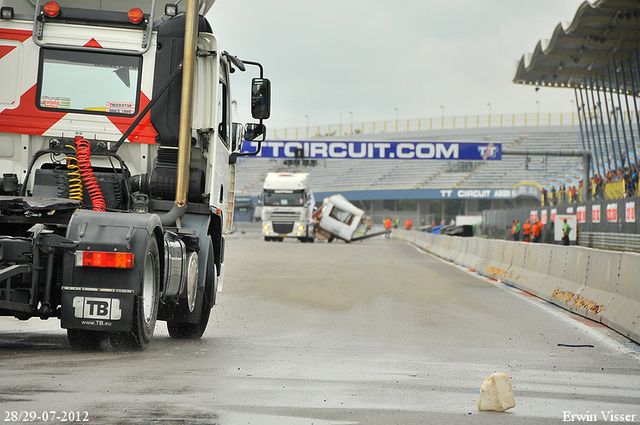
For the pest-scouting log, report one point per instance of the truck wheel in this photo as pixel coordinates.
(181, 330)
(146, 306)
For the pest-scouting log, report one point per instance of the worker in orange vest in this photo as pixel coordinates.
(526, 231)
(408, 224)
(536, 230)
(515, 230)
(387, 226)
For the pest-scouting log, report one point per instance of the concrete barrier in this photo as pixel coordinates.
(625, 306)
(480, 257)
(552, 263)
(472, 257)
(517, 271)
(600, 285)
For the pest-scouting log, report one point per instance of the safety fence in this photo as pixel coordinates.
(606, 224)
(600, 285)
(424, 124)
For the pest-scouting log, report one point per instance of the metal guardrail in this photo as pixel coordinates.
(610, 241)
(425, 124)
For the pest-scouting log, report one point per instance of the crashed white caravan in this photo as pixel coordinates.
(338, 218)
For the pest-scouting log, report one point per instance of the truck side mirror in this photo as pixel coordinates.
(255, 132)
(237, 134)
(260, 98)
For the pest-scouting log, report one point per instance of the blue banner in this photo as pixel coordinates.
(451, 151)
(450, 193)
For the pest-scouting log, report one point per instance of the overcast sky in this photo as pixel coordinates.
(327, 59)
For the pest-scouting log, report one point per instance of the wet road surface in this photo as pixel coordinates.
(372, 332)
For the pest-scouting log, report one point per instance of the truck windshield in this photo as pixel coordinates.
(102, 83)
(279, 198)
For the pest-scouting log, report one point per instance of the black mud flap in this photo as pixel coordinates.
(103, 298)
(98, 311)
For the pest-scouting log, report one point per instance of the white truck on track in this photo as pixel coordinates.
(117, 157)
(287, 206)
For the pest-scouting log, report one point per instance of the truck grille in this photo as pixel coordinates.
(282, 228)
(284, 215)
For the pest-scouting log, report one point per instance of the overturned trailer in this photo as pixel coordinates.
(339, 218)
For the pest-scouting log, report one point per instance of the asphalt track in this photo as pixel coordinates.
(374, 332)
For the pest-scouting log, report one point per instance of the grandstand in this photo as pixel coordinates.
(408, 179)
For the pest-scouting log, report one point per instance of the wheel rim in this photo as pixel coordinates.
(192, 281)
(148, 286)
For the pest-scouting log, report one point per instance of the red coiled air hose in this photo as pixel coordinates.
(90, 182)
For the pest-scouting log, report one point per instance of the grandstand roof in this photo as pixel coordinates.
(581, 52)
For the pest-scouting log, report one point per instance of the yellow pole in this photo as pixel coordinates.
(186, 103)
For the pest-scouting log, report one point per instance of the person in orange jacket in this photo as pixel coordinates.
(526, 231)
(515, 230)
(408, 224)
(536, 231)
(387, 226)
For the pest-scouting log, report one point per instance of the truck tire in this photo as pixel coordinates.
(182, 330)
(146, 305)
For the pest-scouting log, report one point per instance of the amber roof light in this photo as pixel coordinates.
(135, 15)
(51, 9)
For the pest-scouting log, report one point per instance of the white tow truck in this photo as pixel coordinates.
(287, 207)
(117, 156)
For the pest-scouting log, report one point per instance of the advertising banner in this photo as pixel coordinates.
(630, 212)
(612, 213)
(581, 213)
(288, 149)
(595, 213)
(533, 216)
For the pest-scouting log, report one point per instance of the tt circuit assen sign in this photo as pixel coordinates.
(377, 150)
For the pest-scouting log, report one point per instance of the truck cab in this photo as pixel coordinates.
(117, 153)
(287, 207)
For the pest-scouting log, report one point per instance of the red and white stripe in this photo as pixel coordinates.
(19, 57)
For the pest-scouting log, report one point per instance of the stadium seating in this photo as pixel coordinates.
(342, 175)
